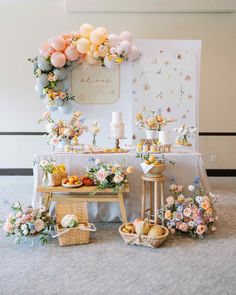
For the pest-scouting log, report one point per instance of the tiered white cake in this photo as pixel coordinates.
(117, 127)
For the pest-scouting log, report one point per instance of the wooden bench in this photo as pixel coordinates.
(59, 193)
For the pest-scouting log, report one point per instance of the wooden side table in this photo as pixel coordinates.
(158, 184)
(59, 193)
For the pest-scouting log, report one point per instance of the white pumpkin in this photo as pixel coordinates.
(155, 232)
(142, 227)
(68, 220)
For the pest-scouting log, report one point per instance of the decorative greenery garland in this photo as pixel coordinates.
(61, 54)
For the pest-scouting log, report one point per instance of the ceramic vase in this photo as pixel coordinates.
(151, 134)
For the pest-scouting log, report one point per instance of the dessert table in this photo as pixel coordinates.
(188, 166)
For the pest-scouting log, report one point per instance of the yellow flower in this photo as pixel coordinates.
(168, 214)
(205, 205)
(119, 60)
(139, 117)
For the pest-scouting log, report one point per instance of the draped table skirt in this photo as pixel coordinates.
(188, 166)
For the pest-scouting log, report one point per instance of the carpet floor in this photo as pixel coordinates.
(107, 266)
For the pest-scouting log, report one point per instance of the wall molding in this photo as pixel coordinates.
(221, 172)
(16, 171)
(151, 6)
(22, 133)
(29, 172)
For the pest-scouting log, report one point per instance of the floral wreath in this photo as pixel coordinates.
(62, 53)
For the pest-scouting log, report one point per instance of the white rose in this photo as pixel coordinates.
(18, 215)
(49, 127)
(97, 161)
(23, 227)
(42, 209)
(25, 232)
(191, 188)
(67, 132)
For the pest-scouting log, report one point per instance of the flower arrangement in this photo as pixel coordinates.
(108, 175)
(62, 53)
(57, 131)
(184, 134)
(152, 121)
(194, 215)
(94, 129)
(154, 160)
(26, 222)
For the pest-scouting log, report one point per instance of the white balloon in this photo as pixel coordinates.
(108, 63)
(112, 50)
(125, 45)
(90, 60)
(103, 30)
(119, 50)
(83, 45)
(134, 53)
(113, 40)
(126, 36)
(85, 30)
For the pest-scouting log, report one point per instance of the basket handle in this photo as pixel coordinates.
(91, 227)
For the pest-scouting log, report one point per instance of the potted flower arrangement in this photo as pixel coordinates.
(194, 215)
(108, 175)
(151, 123)
(27, 223)
(153, 166)
(61, 133)
(184, 134)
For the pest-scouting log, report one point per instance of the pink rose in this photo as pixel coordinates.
(183, 226)
(179, 188)
(170, 200)
(187, 212)
(101, 175)
(8, 228)
(200, 229)
(118, 178)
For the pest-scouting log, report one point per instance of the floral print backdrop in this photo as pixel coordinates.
(166, 78)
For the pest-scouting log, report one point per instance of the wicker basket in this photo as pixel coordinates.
(56, 179)
(73, 236)
(143, 240)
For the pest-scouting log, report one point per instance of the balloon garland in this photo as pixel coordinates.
(61, 54)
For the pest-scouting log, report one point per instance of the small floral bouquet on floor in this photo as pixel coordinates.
(26, 222)
(108, 175)
(152, 121)
(194, 215)
(60, 130)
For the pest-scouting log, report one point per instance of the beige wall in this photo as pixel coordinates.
(25, 24)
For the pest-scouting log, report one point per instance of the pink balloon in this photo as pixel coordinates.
(45, 50)
(68, 41)
(58, 59)
(71, 53)
(58, 43)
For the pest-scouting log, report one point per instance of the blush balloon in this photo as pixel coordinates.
(126, 36)
(113, 40)
(45, 50)
(71, 53)
(58, 43)
(58, 59)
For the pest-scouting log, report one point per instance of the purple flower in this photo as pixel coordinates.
(197, 181)
(172, 179)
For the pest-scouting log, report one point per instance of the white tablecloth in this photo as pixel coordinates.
(188, 166)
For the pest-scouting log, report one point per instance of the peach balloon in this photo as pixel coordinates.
(103, 30)
(97, 37)
(85, 30)
(58, 59)
(58, 43)
(83, 45)
(71, 53)
(90, 60)
(45, 50)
